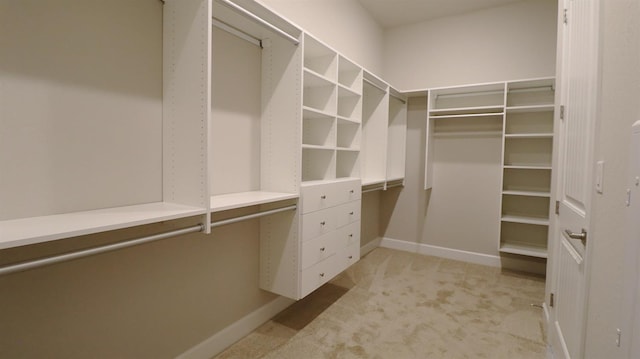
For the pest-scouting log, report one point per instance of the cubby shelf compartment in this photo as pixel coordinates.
(319, 58)
(25, 231)
(524, 239)
(349, 75)
(244, 199)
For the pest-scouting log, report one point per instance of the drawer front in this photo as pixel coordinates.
(348, 191)
(348, 235)
(317, 223)
(316, 275)
(318, 197)
(348, 213)
(318, 249)
(346, 257)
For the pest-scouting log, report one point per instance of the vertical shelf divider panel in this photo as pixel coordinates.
(375, 112)
(187, 102)
(396, 138)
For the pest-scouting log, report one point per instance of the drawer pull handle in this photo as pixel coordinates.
(323, 223)
(351, 213)
(323, 196)
(322, 249)
(350, 235)
(321, 274)
(351, 191)
(350, 257)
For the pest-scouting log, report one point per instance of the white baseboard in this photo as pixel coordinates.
(370, 246)
(449, 253)
(236, 331)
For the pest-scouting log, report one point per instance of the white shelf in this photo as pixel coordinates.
(528, 167)
(496, 114)
(25, 231)
(244, 199)
(529, 135)
(495, 110)
(349, 91)
(533, 108)
(527, 193)
(373, 181)
(523, 249)
(348, 149)
(348, 120)
(316, 147)
(314, 79)
(314, 113)
(525, 220)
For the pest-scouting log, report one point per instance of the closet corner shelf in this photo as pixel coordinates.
(229, 201)
(491, 110)
(348, 120)
(314, 79)
(467, 115)
(349, 91)
(25, 231)
(317, 147)
(523, 249)
(528, 167)
(527, 193)
(316, 113)
(348, 149)
(528, 135)
(525, 220)
(533, 108)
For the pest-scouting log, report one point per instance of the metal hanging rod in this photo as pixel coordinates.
(97, 250)
(260, 20)
(253, 215)
(380, 188)
(374, 84)
(399, 184)
(233, 31)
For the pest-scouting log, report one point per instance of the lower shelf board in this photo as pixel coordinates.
(523, 249)
(525, 220)
(25, 231)
(229, 201)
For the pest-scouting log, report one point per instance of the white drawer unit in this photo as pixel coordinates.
(326, 242)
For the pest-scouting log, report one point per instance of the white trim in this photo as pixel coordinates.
(370, 246)
(449, 253)
(236, 331)
(546, 313)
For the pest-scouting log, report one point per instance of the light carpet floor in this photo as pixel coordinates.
(398, 305)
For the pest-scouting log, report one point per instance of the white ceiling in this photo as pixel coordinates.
(391, 13)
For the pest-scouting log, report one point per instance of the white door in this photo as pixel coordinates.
(578, 92)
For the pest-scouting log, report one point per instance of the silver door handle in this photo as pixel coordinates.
(581, 236)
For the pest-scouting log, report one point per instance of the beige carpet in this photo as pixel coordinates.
(393, 304)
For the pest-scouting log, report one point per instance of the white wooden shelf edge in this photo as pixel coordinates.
(372, 181)
(527, 167)
(525, 220)
(349, 90)
(532, 108)
(479, 109)
(318, 112)
(317, 147)
(317, 79)
(523, 249)
(529, 135)
(244, 199)
(348, 149)
(348, 120)
(25, 231)
(528, 193)
(492, 114)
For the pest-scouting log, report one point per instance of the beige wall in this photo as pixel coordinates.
(618, 111)
(503, 43)
(342, 24)
(463, 208)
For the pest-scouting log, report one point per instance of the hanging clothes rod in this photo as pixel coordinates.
(223, 222)
(97, 250)
(380, 188)
(374, 84)
(233, 31)
(399, 184)
(261, 21)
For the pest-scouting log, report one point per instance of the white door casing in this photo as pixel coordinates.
(579, 79)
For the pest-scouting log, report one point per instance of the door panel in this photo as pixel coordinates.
(578, 82)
